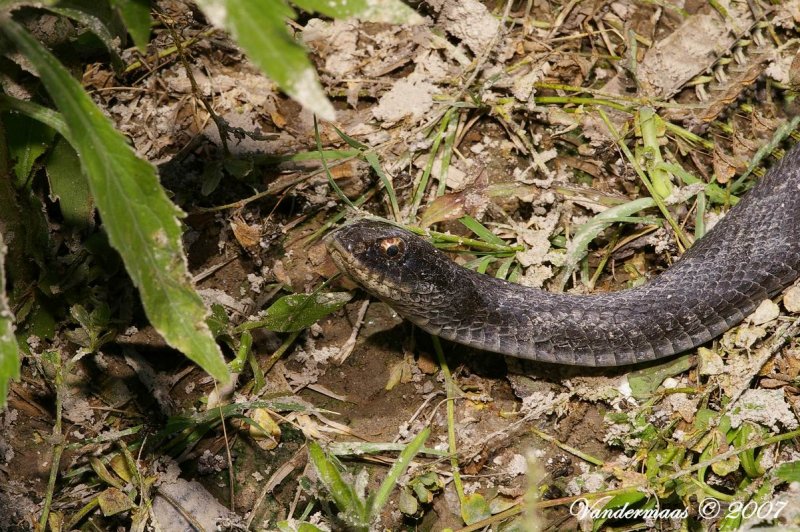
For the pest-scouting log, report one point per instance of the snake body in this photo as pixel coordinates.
(750, 255)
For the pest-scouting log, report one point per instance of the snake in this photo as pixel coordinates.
(751, 254)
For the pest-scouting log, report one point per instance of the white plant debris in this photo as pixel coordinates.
(339, 39)
(791, 299)
(767, 311)
(765, 407)
(410, 97)
(470, 22)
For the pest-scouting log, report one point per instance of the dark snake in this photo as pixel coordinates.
(750, 255)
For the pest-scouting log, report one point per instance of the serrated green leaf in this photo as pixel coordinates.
(141, 223)
(68, 185)
(295, 312)
(28, 139)
(9, 351)
(391, 11)
(260, 29)
(136, 16)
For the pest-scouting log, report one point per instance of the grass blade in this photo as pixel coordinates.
(373, 161)
(342, 494)
(376, 503)
(479, 229)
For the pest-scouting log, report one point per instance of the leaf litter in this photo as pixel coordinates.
(388, 81)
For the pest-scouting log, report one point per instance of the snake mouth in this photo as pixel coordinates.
(341, 258)
(339, 251)
(346, 247)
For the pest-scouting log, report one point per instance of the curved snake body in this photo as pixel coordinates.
(750, 255)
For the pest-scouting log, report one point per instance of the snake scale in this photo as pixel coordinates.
(750, 255)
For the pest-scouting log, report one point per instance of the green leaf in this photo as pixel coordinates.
(407, 503)
(788, 471)
(97, 26)
(629, 497)
(37, 112)
(588, 231)
(341, 492)
(218, 320)
(38, 319)
(28, 139)
(305, 526)
(141, 223)
(295, 312)
(645, 381)
(376, 503)
(68, 184)
(392, 11)
(136, 16)
(505, 266)
(260, 29)
(9, 351)
(474, 508)
(302, 526)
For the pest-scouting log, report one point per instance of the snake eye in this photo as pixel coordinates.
(392, 248)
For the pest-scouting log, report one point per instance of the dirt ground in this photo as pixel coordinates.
(499, 104)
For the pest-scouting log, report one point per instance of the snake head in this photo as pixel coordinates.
(389, 262)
